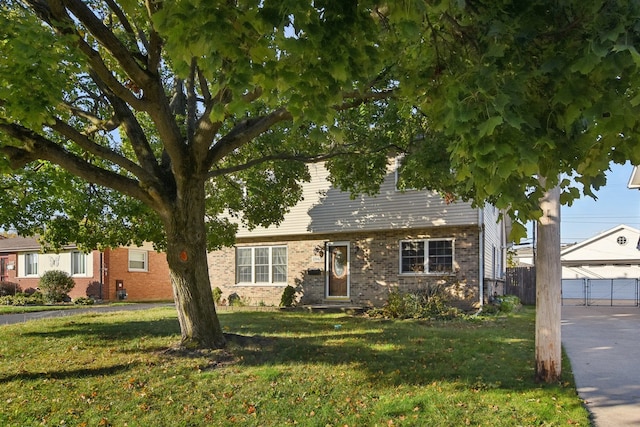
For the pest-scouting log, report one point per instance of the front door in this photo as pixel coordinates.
(338, 270)
(4, 274)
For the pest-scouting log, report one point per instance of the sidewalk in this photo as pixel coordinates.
(603, 345)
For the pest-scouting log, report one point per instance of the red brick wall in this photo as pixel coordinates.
(151, 285)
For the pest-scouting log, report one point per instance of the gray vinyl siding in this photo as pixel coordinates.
(494, 252)
(325, 209)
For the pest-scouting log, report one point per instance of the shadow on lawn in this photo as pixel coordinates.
(68, 374)
(110, 331)
(395, 353)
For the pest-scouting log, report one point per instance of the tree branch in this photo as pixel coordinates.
(107, 39)
(122, 18)
(103, 152)
(192, 100)
(290, 157)
(37, 147)
(244, 132)
(304, 158)
(139, 142)
(359, 99)
(98, 123)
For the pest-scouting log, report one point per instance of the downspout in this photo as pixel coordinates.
(101, 273)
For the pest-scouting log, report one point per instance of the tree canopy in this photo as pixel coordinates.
(520, 90)
(130, 120)
(130, 96)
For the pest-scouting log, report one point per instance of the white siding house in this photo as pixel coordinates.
(612, 254)
(335, 248)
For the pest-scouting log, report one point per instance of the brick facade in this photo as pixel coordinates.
(374, 266)
(154, 284)
(151, 285)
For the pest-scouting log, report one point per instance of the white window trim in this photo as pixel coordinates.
(253, 266)
(72, 264)
(146, 260)
(426, 258)
(27, 254)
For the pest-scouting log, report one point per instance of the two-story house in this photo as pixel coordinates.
(334, 248)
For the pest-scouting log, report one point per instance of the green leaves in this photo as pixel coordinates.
(37, 67)
(532, 89)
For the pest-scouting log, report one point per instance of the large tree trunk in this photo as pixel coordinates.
(548, 290)
(187, 258)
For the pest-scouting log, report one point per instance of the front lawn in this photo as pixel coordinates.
(280, 368)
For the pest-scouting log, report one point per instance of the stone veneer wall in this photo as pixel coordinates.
(374, 266)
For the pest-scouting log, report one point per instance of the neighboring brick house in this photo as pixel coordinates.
(140, 273)
(335, 249)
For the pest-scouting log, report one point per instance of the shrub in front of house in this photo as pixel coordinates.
(55, 285)
(502, 304)
(83, 301)
(508, 303)
(236, 300)
(9, 288)
(35, 297)
(288, 296)
(428, 303)
(21, 299)
(217, 295)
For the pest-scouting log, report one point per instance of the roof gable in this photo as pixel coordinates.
(634, 181)
(620, 243)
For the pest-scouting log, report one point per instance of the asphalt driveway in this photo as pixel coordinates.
(603, 345)
(6, 319)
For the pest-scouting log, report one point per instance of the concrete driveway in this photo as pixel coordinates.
(603, 345)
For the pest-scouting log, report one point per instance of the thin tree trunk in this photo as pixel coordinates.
(548, 289)
(187, 258)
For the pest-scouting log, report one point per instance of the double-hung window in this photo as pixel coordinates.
(261, 265)
(78, 263)
(31, 264)
(426, 256)
(138, 260)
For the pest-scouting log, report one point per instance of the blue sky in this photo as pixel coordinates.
(616, 204)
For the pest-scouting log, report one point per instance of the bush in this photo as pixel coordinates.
(35, 298)
(235, 300)
(20, 298)
(288, 296)
(9, 288)
(217, 295)
(55, 285)
(429, 303)
(508, 303)
(83, 301)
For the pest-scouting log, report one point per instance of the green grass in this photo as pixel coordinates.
(281, 368)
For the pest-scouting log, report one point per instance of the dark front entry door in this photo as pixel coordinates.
(4, 274)
(338, 269)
